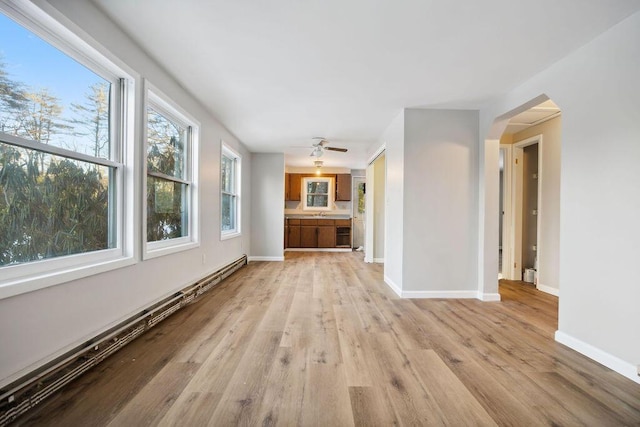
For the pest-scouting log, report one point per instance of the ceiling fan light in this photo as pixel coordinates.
(317, 152)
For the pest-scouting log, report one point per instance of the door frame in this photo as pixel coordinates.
(506, 217)
(515, 248)
(354, 207)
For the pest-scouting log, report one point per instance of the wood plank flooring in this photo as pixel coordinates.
(320, 340)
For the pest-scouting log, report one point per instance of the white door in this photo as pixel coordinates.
(358, 211)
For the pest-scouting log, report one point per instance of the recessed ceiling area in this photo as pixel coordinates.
(533, 116)
(277, 73)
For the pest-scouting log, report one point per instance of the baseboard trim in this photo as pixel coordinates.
(393, 285)
(318, 250)
(440, 294)
(489, 297)
(548, 289)
(610, 361)
(378, 260)
(265, 258)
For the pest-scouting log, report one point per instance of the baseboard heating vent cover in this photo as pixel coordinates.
(28, 391)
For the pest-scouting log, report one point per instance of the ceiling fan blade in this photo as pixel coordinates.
(342, 150)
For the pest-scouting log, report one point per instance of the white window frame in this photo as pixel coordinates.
(30, 276)
(228, 152)
(330, 195)
(162, 104)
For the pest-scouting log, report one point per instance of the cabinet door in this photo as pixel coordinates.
(294, 236)
(295, 186)
(343, 187)
(326, 236)
(308, 236)
(287, 186)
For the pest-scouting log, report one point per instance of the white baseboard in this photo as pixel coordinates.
(378, 260)
(489, 297)
(392, 285)
(610, 361)
(265, 258)
(548, 289)
(440, 294)
(318, 250)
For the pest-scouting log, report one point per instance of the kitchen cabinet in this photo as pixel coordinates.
(308, 233)
(287, 186)
(295, 186)
(317, 233)
(343, 187)
(343, 233)
(293, 233)
(326, 233)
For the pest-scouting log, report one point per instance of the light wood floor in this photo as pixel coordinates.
(321, 340)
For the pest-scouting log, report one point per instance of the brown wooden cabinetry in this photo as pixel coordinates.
(308, 233)
(317, 233)
(287, 186)
(326, 233)
(343, 187)
(295, 186)
(293, 233)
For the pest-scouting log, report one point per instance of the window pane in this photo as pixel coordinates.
(228, 212)
(227, 174)
(48, 97)
(166, 209)
(317, 201)
(51, 206)
(165, 145)
(318, 187)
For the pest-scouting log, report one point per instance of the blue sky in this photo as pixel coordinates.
(32, 61)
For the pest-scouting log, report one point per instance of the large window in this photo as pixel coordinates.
(230, 193)
(62, 156)
(170, 186)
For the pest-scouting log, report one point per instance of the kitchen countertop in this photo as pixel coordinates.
(312, 216)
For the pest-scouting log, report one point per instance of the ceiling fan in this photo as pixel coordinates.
(321, 145)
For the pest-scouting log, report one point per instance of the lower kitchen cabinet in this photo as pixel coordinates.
(317, 233)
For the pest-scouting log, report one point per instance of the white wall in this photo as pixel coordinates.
(267, 207)
(440, 209)
(549, 255)
(599, 193)
(37, 326)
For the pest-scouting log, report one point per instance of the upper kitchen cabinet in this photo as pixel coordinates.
(343, 187)
(293, 186)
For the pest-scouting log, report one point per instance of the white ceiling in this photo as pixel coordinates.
(277, 73)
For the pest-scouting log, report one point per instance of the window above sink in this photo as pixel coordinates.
(317, 194)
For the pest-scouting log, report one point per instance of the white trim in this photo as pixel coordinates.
(440, 294)
(162, 104)
(376, 154)
(610, 361)
(378, 260)
(489, 297)
(548, 289)
(264, 258)
(393, 285)
(318, 250)
(229, 152)
(507, 222)
(517, 153)
(330, 193)
(78, 46)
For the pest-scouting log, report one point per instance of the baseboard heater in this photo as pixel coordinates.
(30, 390)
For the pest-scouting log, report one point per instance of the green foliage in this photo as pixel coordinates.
(50, 206)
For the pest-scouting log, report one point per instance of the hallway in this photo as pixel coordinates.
(321, 340)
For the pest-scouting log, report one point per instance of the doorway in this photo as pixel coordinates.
(358, 192)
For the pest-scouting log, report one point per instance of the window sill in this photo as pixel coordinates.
(168, 249)
(25, 284)
(230, 235)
